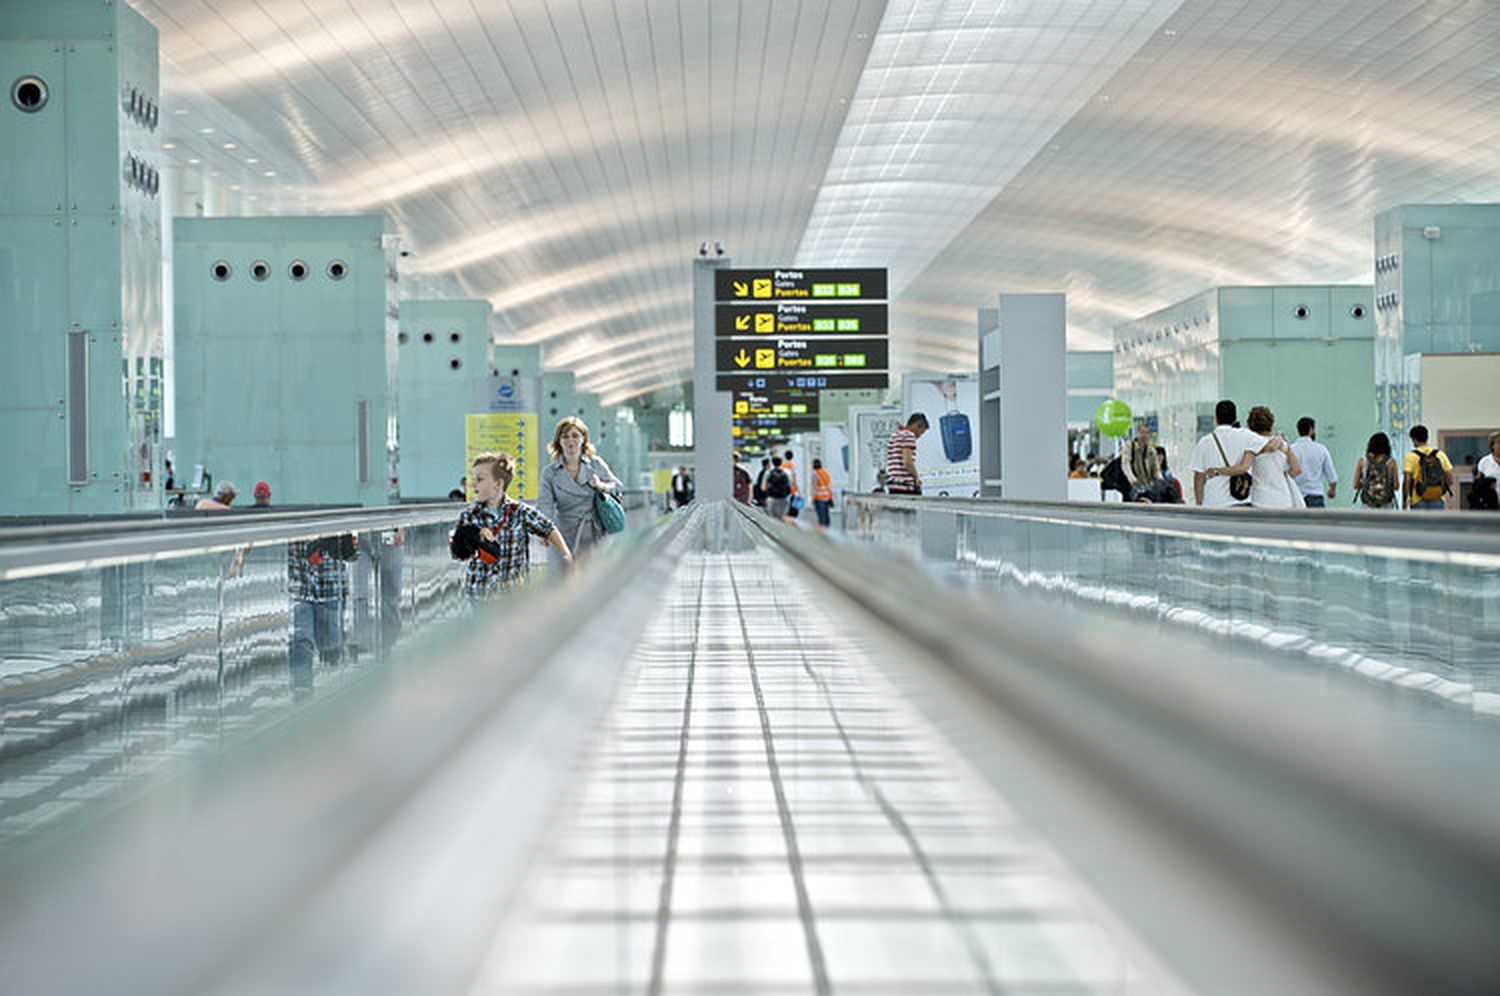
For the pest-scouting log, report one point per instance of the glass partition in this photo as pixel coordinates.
(1415, 604)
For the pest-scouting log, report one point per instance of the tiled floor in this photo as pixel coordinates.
(764, 815)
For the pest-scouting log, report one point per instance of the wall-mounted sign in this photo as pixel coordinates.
(793, 284)
(795, 318)
(781, 355)
(842, 380)
(780, 411)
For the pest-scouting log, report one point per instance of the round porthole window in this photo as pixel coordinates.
(221, 270)
(338, 270)
(515, 373)
(1357, 311)
(29, 94)
(454, 363)
(402, 338)
(427, 337)
(298, 270)
(1300, 312)
(260, 270)
(453, 336)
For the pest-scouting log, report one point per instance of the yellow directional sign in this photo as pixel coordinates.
(741, 288)
(765, 359)
(742, 323)
(742, 359)
(762, 288)
(765, 321)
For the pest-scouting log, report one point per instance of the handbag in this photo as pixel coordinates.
(609, 512)
(1239, 484)
(796, 502)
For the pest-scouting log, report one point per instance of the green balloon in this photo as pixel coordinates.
(1113, 418)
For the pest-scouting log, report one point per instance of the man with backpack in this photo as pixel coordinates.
(1426, 474)
(778, 490)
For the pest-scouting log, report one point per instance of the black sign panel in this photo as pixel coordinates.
(798, 318)
(780, 411)
(815, 353)
(843, 380)
(748, 286)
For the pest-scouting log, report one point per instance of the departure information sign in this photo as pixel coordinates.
(841, 381)
(763, 413)
(790, 284)
(783, 355)
(792, 318)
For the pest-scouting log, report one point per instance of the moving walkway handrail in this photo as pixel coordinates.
(354, 818)
(30, 551)
(1462, 536)
(1278, 819)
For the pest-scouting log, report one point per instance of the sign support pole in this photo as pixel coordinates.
(713, 443)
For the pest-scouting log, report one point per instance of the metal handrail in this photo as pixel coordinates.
(1163, 770)
(1448, 536)
(31, 551)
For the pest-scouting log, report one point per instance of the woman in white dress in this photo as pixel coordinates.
(1271, 464)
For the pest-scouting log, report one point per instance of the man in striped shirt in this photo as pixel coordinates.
(901, 457)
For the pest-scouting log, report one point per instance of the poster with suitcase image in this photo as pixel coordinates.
(948, 452)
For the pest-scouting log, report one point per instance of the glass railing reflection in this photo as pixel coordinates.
(1420, 617)
(107, 672)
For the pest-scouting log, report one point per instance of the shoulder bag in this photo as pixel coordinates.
(1239, 484)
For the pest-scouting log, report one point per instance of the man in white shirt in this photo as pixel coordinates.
(1318, 474)
(1211, 490)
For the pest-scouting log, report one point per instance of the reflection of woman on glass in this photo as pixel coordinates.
(568, 484)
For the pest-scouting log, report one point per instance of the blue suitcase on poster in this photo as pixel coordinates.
(958, 443)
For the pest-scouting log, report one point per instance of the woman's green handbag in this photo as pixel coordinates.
(609, 512)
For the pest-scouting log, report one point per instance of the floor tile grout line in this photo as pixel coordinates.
(788, 832)
(674, 826)
(892, 814)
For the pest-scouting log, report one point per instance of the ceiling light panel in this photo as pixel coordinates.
(955, 99)
(1253, 146)
(555, 157)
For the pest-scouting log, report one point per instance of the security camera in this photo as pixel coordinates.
(703, 249)
(718, 248)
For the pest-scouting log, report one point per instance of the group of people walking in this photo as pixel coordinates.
(1254, 465)
(777, 490)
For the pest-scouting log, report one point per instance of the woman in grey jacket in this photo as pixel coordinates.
(565, 493)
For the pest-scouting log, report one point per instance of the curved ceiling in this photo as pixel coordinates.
(565, 158)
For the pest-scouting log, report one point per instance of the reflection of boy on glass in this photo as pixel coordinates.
(493, 533)
(318, 583)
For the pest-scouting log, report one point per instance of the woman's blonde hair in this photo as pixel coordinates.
(554, 448)
(1260, 420)
(502, 466)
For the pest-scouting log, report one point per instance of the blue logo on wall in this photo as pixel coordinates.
(507, 391)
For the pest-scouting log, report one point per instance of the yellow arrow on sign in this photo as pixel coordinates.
(742, 359)
(741, 288)
(741, 322)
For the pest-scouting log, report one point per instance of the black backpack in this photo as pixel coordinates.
(778, 485)
(1482, 495)
(1430, 475)
(1112, 478)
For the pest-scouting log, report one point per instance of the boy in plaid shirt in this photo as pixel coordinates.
(492, 533)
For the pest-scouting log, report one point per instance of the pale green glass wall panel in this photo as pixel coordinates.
(557, 399)
(1437, 286)
(1299, 313)
(79, 253)
(513, 360)
(1246, 312)
(1094, 368)
(1167, 365)
(298, 360)
(435, 394)
(1329, 380)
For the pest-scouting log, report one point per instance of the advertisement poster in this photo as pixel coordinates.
(869, 429)
(836, 455)
(513, 434)
(948, 452)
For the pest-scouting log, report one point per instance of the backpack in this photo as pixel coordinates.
(1112, 478)
(1482, 494)
(1430, 476)
(778, 485)
(1378, 489)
